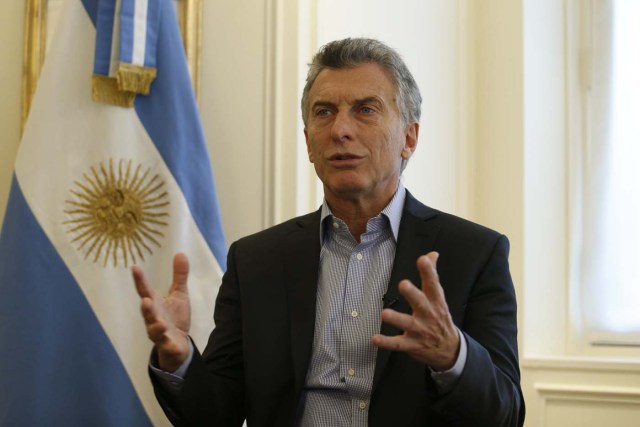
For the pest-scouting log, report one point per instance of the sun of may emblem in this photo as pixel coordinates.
(117, 214)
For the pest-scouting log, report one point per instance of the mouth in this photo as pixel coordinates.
(340, 157)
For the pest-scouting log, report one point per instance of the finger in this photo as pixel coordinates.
(429, 275)
(157, 332)
(156, 325)
(149, 311)
(180, 273)
(420, 304)
(401, 321)
(394, 343)
(142, 285)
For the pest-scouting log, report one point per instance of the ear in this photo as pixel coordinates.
(309, 152)
(410, 139)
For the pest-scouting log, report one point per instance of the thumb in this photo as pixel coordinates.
(180, 273)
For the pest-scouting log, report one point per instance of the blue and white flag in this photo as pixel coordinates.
(126, 49)
(97, 188)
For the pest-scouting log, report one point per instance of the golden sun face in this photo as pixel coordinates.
(117, 215)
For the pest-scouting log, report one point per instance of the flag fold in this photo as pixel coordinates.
(97, 188)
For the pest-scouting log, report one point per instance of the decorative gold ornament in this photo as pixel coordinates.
(117, 215)
(36, 37)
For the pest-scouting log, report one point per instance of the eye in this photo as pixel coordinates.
(322, 112)
(367, 110)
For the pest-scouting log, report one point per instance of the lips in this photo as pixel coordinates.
(344, 156)
(345, 160)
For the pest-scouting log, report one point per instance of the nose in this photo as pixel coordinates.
(342, 127)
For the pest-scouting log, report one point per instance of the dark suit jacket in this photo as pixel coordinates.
(255, 363)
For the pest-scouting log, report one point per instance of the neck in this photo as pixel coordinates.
(357, 211)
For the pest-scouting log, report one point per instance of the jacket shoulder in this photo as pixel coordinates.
(279, 232)
(451, 225)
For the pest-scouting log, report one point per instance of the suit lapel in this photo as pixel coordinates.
(301, 277)
(416, 237)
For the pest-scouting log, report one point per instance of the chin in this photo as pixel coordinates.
(347, 180)
(349, 188)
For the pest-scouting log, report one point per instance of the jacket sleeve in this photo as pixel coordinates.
(213, 389)
(488, 391)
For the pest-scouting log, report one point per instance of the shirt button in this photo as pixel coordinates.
(359, 256)
(362, 404)
(336, 225)
(351, 372)
(354, 313)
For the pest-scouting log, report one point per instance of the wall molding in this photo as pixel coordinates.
(613, 398)
(587, 393)
(269, 118)
(290, 186)
(582, 364)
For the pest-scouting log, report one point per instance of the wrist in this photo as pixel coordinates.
(170, 358)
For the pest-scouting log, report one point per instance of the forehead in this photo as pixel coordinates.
(365, 80)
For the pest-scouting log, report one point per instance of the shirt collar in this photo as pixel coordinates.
(393, 212)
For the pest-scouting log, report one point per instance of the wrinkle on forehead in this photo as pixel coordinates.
(352, 85)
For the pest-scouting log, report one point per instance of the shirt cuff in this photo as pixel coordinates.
(173, 379)
(446, 380)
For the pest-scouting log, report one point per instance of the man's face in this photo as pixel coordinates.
(355, 134)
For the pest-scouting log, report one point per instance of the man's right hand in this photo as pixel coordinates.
(167, 319)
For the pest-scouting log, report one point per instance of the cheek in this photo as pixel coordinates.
(312, 146)
(390, 153)
(316, 155)
(392, 145)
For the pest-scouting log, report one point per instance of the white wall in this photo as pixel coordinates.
(564, 384)
(233, 107)
(430, 36)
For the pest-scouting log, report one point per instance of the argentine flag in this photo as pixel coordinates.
(97, 188)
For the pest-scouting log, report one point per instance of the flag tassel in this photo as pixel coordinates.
(105, 90)
(135, 78)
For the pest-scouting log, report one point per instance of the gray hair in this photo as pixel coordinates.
(350, 53)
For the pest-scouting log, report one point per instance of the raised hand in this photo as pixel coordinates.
(429, 333)
(167, 318)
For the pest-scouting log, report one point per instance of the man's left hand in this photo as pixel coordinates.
(429, 335)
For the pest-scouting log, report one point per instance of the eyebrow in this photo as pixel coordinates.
(370, 100)
(322, 104)
(366, 100)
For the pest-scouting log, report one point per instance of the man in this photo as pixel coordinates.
(337, 317)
